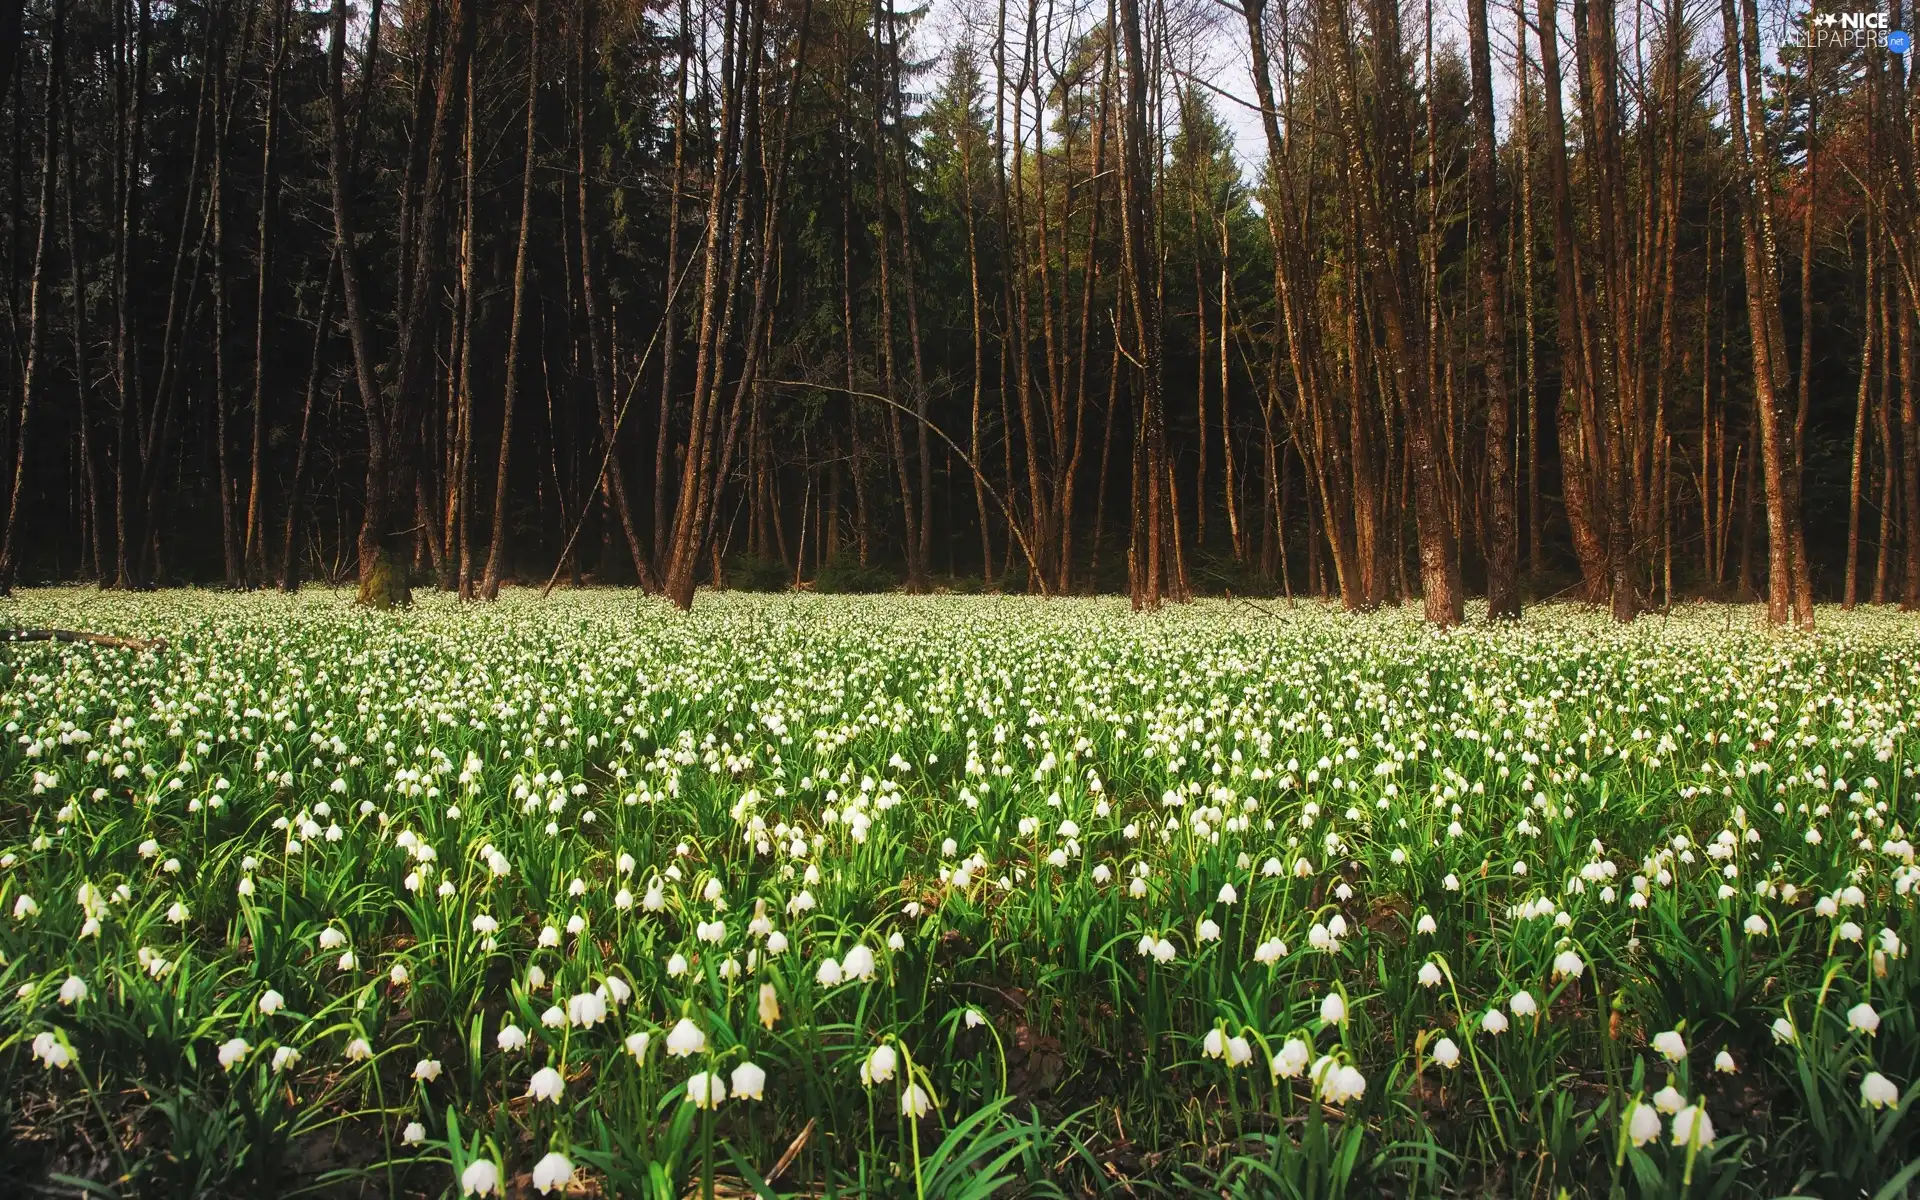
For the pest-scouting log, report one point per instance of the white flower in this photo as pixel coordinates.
(414, 1134)
(1878, 1091)
(749, 1082)
(1783, 1031)
(398, 976)
(974, 1018)
(676, 966)
(914, 1102)
(1755, 925)
(1523, 1004)
(481, 1178)
(427, 1070)
(1228, 895)
(1669, 1100)
(1862, 1017)
(685, 1039)
(1239, 1051)
(637, 1045)
(1292, 1059)
(1644, 1125)
(879, 1066)
(1214, 1045)
(1333, 1009)
(769, 1008)
(859, 963)
(1446, 1053)
(829, 974)
(705, 1090)
(547, 1085)
(284, 1057)
(1208, 931)
(776, 943)
(231, 1052)
(554, 1018)
(511, 1038)
(1670, 1045)
(1426, 924)
(50, 1050)
(25, 907)
(73, 990)
(1723, 1063)
(586, 1010)
(1567, 964)
(359, 1050)
(332, 939)
(1429, 974)
(1691, 1127)
(1493, 1021)
(552, 1173)
(272, 1003)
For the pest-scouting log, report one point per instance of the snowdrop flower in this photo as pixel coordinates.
(1214, 1045)
(776, 943)
(359, 1050)
(1239, 1051)
(859, 963)
(1493, 1021)
(1429, 975)
(1227, 894)
(636, 1044)
(1755, 925)
(1878, 1091)
(1723, 1063)
(552, 1173)
(676, 966)
(481, 1178)
(1523, 1004)
(879, 1066)
(511, 1038)
(1269, 952)
(53, 1052)
(1783, 1031)
(398, 976)
(1669, 1100)
(1568, 965)
(332, 939)
(272, 1003)
(25, 907)
(1691, 1127)
(586, 1010)
(1644, 1125)
(554, 1018)
(1207, 931)
(705, 1090)
(685, 1039)
(769, 1008)
(1862, 1017)
(73, 990)
(549, 937)
(427, 1070)
(749, 1082)
(829, 974)
(231, 1052)
(974, 1018)
(414, 1134)
(1163, 951)
(1446, 1053)
(1292, 1059)
(547, 1085)
(1338, 1083)
(1426, 924)
(1670, 1045)
(284, 1057)
(914, 1102)
(1333, 1009)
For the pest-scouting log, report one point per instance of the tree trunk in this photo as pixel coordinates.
(1503, 552)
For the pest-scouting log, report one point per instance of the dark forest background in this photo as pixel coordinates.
(1611, 302)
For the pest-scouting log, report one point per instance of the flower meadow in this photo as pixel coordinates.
(954, 897)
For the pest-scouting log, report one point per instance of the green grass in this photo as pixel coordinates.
(1012, 804)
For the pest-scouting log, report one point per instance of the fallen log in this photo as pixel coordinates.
(82, 637)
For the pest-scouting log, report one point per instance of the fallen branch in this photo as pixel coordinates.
(78, 636)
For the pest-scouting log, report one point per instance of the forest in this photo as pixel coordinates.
(1612, 303)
